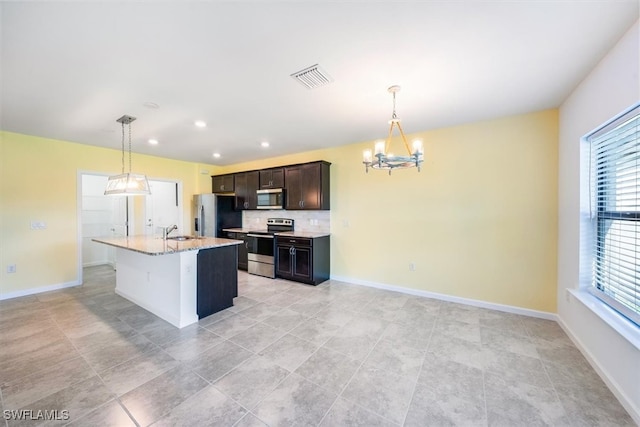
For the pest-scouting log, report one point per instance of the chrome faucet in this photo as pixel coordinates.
(166, 231)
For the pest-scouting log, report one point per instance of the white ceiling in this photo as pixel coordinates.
(70, 69)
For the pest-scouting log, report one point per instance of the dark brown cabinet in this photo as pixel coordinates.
(217, 279)
(223, 183)
(246, 185)
(272, 178)
(307, 186)
(303, 259)
(243, 249)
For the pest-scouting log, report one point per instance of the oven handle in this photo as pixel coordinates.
(266, 236)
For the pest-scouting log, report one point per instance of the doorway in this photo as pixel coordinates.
(112, 216)
(100, 216)
(163, 208)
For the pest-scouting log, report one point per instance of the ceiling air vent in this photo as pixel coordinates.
(312, 77)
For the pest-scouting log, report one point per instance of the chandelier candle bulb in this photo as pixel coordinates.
(379, 147)
(367, 156)
(417, 147)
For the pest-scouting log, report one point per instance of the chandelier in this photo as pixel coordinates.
(382, 158)
(127, 184)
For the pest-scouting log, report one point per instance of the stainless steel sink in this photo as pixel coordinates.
(181, 238)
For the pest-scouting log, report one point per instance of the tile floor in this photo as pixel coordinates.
(289, 354)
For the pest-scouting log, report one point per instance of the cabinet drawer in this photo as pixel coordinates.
(297, 241)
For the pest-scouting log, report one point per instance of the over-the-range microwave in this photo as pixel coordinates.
(272, 198)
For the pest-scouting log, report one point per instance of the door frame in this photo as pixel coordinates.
(179, 206)
(130, 224)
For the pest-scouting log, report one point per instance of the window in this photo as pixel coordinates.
(615, 212)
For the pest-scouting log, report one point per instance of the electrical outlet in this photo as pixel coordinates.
(345, 223)
(567, 295)
(412, 266)
(38, 225)
(11, 268)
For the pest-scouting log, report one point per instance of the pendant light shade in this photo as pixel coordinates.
(127, 184)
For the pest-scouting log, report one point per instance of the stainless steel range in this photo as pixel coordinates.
(261, 247)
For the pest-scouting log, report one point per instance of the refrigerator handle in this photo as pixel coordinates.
(202, 224)
(196, 225)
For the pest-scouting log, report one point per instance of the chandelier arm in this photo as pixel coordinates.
(388, 142)
(404, 139)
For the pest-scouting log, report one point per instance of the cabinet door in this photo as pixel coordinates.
(253, 183)
(246, 185)
(293, 180)
(302, 266)
(311, 186)
(223, 183)
(240, 190)
(307, 186)
(243, 262)
(284, 267)
(272, 178)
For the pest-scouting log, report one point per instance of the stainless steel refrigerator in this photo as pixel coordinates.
(213, 213)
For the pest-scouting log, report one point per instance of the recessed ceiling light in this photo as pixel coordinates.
(264, 144)
(200, 123)
(151, 105)
(216, 155)
(153, 141)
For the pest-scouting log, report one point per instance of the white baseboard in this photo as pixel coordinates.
(174, 320)
(449, 298)
(39, 290)
(96, 263)
(624, 400)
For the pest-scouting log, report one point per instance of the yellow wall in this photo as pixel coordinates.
(479, 221)
(38, 182)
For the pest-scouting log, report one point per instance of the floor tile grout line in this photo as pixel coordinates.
(353, 376)
(484, 398)
(553, 386)
(96, 374)
(424, 358)
(547, 366)
(6, 421)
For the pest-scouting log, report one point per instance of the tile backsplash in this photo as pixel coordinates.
(311, 221)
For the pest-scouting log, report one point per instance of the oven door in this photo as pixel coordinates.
(260, 254)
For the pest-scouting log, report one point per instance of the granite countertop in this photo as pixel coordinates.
(245, 230)
(305, 234)
(157, 246)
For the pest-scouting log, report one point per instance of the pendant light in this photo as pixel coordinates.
(382, 159)
(127, 184)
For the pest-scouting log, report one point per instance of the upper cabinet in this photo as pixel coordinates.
(272, 178)
(223, 183)
(246, 185)
(307, 186)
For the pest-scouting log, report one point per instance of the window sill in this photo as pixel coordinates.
(615, 320)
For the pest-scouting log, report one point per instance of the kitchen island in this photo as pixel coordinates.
(179, 281)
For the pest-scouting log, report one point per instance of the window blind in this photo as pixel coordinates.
(615, 189)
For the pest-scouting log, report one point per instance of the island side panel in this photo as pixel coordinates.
(164, 285)
(217, 279)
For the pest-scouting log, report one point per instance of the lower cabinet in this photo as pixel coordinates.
(303, 259)
(243, 258)
(217, 280)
